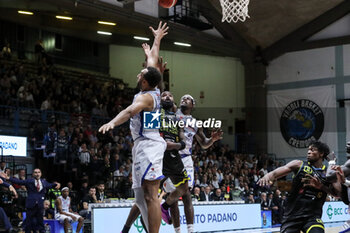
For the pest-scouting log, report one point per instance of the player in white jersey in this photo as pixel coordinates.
(64, 213)
(149, 146)
(187, 103)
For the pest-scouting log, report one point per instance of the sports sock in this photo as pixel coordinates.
(177, 230)
(125, 229)
(190, 228)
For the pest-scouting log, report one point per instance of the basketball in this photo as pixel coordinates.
(167, 3)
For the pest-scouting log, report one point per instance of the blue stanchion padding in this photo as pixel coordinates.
(57, 227)
(266, 219)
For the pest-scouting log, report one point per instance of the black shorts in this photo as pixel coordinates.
(305, 224)
(174, 168)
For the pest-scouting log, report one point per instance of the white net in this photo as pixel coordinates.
(234, 10)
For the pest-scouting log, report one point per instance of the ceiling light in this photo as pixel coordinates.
(141, 38)
(63, 17)
(25, 12)
(104, 33)
(182, 44)
(106, 23)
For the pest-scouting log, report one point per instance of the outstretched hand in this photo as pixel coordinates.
(216, 135)
(105, 128)
(161, 31)
(264, 181)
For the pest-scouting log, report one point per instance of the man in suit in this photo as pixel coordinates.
(206, 195)
(217, 196)
(36, 188)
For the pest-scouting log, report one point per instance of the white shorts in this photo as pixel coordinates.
(62, 217)
(188, 164)
(147, 158)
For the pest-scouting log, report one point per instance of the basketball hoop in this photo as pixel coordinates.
(234, 10)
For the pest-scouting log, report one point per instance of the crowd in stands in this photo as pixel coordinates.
(49, 89)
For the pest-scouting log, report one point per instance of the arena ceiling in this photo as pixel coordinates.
(274, 27)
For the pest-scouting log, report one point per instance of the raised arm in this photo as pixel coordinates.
(160, 65)
(17, 181)
(270, 177)
(205, 142)
(153, 55)
(142, 102)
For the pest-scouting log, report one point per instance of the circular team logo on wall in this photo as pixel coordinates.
(302, 122)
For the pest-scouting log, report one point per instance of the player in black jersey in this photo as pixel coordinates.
(172, 162)
(303, 211)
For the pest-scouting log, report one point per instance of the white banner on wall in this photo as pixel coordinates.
(298, 116)
(11, 145)
(206, 218)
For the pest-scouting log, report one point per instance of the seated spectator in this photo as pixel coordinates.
(263, 202)
(217, 196)
(91, 197)
(64, 213)
(48, 212)
(206, 195)
(196, 194)
(100, 195)
(250, 199)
